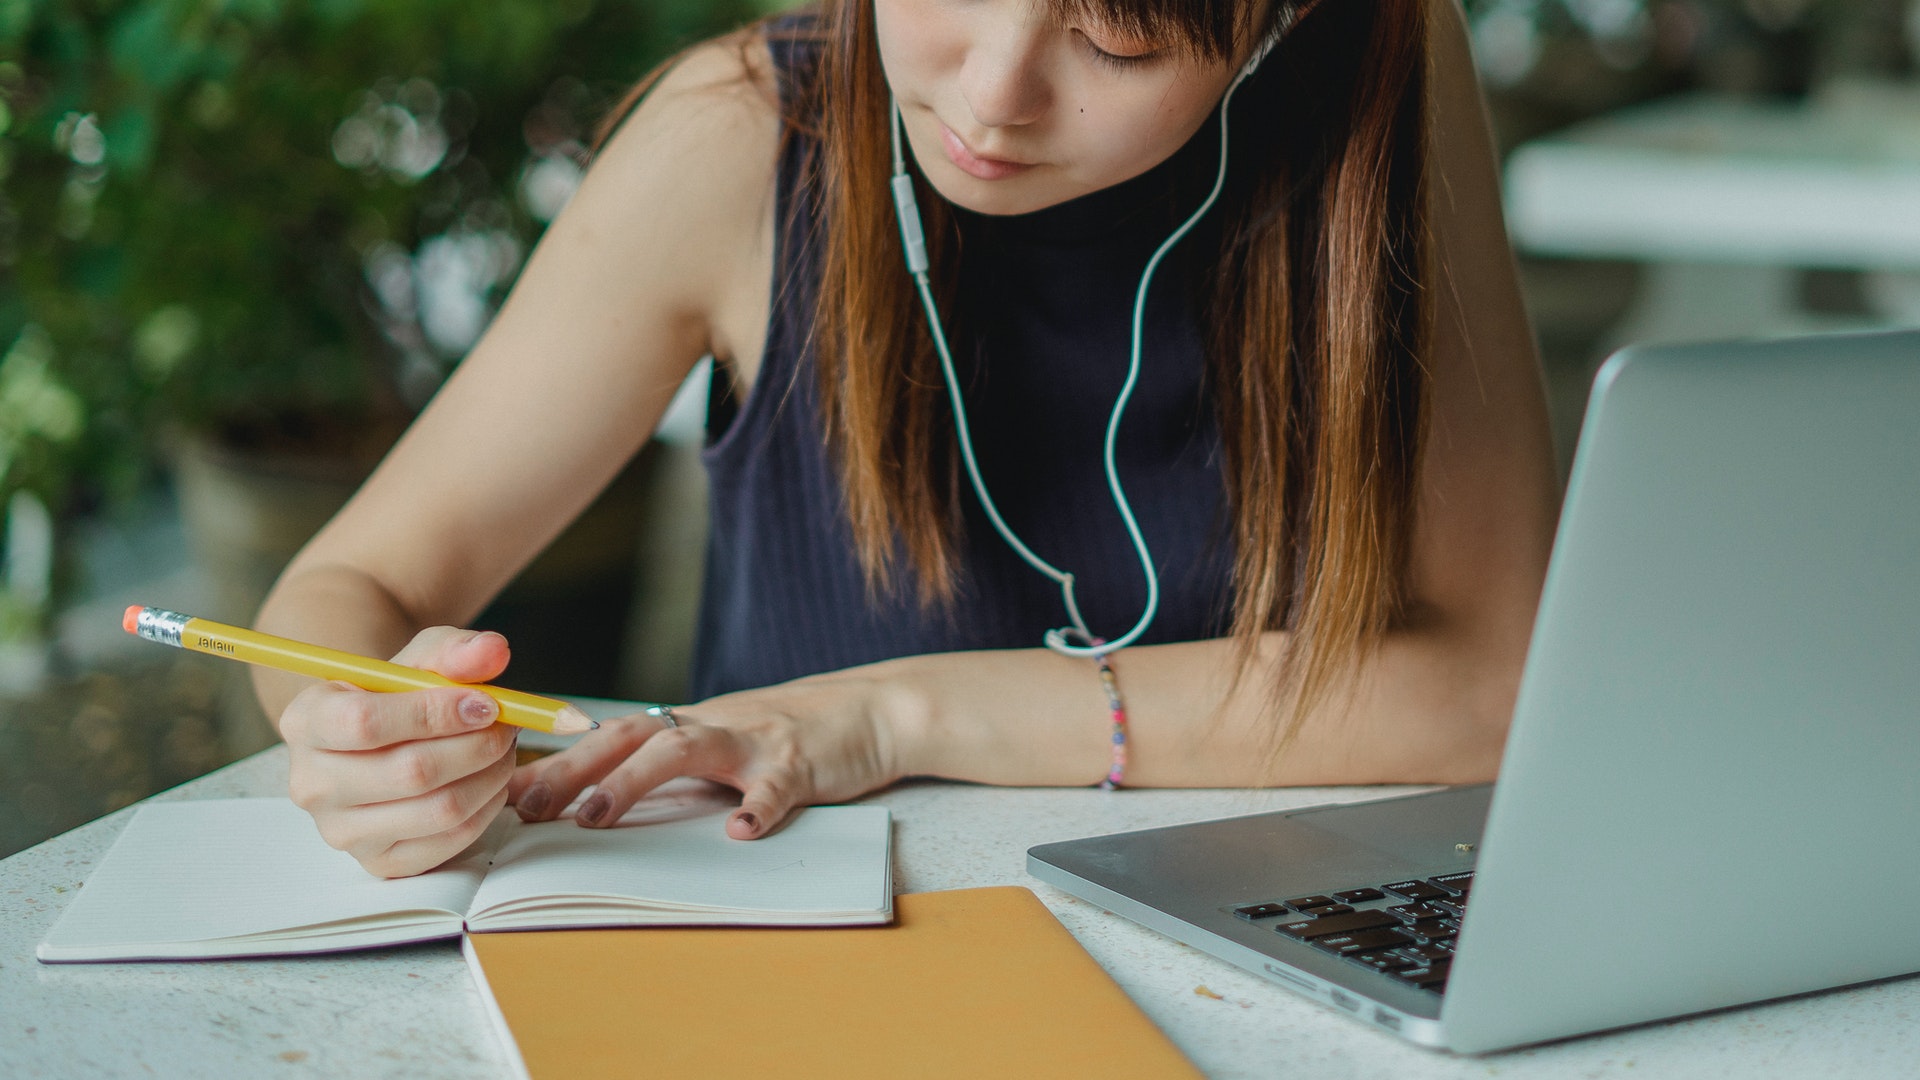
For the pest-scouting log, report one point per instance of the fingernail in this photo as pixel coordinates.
(478, 710)
(752, 823)
(595, 809)
(534, 800)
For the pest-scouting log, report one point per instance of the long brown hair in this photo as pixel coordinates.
(1319, 319)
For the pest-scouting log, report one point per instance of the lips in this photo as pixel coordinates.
(980, 168)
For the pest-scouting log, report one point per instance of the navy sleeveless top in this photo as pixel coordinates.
(1041, 339)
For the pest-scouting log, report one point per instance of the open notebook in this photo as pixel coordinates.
(251, 877)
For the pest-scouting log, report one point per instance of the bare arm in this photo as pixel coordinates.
(621, 297)
(610, 313)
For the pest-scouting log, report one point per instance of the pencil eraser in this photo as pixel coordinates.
(130, 622)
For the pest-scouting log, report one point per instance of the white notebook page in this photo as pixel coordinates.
(221, 868)
(827, 859)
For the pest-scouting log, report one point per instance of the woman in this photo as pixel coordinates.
(1336, 449)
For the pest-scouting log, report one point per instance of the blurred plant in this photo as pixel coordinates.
(1728, 45)
(275, 220)
(1549, 62)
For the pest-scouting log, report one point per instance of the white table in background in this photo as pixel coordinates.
(1726, 199)
(412, 1012)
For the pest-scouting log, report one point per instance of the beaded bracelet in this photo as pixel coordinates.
(1117, 771)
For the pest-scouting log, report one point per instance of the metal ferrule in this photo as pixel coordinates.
(158, 624)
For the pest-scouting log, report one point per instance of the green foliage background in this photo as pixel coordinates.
(180, 243)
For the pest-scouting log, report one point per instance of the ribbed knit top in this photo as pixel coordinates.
(1040, 335)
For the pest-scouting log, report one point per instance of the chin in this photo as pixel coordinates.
(997, 198)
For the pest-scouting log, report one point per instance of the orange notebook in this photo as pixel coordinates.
(968, 983)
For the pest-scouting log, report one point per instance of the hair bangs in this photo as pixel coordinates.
(1211, 29)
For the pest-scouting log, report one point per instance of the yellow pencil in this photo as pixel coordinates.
(252, 647)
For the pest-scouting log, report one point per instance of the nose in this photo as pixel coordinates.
(1003, 80)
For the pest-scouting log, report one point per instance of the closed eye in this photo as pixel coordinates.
(1119, 60)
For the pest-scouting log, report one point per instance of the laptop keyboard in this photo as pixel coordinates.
(1404, 928)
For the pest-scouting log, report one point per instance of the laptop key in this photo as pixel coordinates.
(1417, 890)
(1260, 911)
(1429, 930)
(1364, 941)
(1359, 896)
(1461, 883)
(1387, 960)
(1416, 912)
(1428, 953)
(1330, 909)
(1426, 977)
(1306, 902)
(1337, 924)
(1450, 909)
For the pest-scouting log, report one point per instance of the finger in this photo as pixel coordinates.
(336, 716)
(420, 854)
(682, 751)
(407, 769)
(764, 807)
(368, 830)
(467, 656)
(542, 789)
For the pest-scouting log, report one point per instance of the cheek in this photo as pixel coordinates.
(1108, 150)
(1119, 140)
(912, 37)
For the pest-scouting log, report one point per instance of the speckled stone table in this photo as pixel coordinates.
(412, 1012)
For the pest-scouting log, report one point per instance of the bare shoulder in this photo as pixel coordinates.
(1456, 85)
(685, 183)
(1479, 305)
(1463, 167)
(713, 94)
(1490, 490)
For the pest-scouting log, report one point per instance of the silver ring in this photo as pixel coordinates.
(664, 714)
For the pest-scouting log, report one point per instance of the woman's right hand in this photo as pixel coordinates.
(403, 782)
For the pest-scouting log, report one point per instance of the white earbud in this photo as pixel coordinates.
(1260, 51)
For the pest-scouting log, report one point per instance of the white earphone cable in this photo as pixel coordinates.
(914, 240)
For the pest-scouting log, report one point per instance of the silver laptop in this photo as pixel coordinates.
(1718, 733)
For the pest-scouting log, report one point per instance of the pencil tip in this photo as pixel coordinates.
(571, 721)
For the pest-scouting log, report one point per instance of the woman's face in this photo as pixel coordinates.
(1008, 110)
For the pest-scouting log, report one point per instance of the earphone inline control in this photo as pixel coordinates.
(913, 240)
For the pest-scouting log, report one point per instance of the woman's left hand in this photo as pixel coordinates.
(821, 739)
